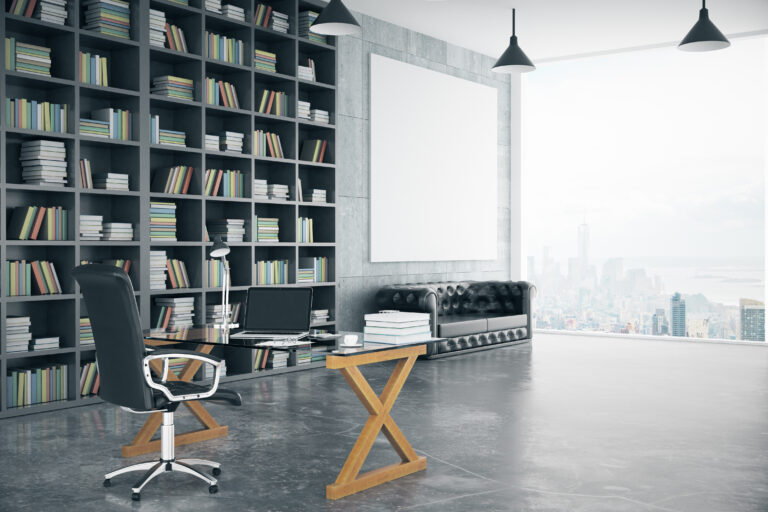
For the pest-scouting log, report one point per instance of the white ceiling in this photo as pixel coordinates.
(556, 28)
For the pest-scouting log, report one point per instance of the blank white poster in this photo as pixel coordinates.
(433, 165)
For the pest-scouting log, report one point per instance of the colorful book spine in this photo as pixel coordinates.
(305, 230)
(224, 183)
(36, 385)
(93, 69)
(224, 48)
(176, 38)
(267, 144)
(35, 115)
(39, 223)
(273, 102)
(22, 277)
(89, 379)
(219, 92)
(27, 58)
(271, 272)
(214, 273)
(177, 273)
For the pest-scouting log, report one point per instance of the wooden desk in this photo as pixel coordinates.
(349, 480)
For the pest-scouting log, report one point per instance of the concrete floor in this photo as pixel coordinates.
(567, 424)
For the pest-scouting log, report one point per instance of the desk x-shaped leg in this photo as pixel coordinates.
(349, 480)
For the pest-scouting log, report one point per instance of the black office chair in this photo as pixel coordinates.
(125, 375)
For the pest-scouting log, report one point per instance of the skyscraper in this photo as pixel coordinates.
(752, 313)
(677, 315)
(660, 327)
(583, 247)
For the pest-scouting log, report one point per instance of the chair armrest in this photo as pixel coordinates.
(165, 356)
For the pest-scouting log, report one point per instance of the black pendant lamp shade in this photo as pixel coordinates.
(513, 60)
(335, 20)
(704, 36)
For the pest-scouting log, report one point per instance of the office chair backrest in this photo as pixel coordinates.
(114, 315)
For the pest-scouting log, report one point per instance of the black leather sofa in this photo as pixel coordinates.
(472, 315)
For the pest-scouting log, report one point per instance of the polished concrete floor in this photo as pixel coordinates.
(565, 424)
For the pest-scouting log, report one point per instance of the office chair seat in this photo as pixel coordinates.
(189, 388)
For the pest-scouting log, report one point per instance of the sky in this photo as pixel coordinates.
(661, 152)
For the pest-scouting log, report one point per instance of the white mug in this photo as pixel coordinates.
(350, 339)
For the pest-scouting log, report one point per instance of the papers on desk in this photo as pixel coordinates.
(284, 343)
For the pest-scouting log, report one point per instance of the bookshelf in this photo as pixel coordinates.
(131, 65)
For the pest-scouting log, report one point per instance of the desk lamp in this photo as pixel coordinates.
(220, 250)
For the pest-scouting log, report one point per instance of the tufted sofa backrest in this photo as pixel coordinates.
(457, 297)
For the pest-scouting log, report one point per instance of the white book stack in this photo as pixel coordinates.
(231, 142)
(277, 191)
(315, 195)
(319, 316)
(49, 343)
(278, 22)
(44, 162)
(319, 116)
(306, 19)
(307, 73)
(211, 142)
(91, 227)
(111, 181)
(397, 327)
(157, 270)
(230, 230)
(156, 28)
(182, 310)
(233, 11)
(213, 313)
(278, 359)
(213, 6)
(52, 11)
(17, 335)
(304, 111)
(118, 231)
(260, 189)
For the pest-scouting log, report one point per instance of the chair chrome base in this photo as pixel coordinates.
(167, 462)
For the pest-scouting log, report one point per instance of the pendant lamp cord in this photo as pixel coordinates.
(513, 22)
(703, 4)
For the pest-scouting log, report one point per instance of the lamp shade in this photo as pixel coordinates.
(335, 20)
(513, 60)
(220, 249)
(704, 36)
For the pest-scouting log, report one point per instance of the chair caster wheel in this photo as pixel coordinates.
(136, 496)
(213, 489)
(107, 483)
(216, 471)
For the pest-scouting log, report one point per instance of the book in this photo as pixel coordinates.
(44, 162)
(36, 115)
(230, 230)
(108, 17)
(159, 135)
(157, 28)
(396, 318)
(174, 180)
(271, 272)
(219, 92)
(264, 60)
(37, 385)
(93, 69)
(86, 175)
(177, 273)
(233, 11)
(267, 229)
(306, 19)
(162, 221)
(225, 183)
(394, 340)
(27, 58)
(313, 150)
(223, 48)
(273, 102)
(267, 144)
(174, 87)
(305, 230)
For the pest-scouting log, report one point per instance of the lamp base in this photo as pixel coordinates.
(227, 326)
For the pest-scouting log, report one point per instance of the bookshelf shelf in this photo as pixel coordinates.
(131, 67)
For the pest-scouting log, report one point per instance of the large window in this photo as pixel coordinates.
(643, 182)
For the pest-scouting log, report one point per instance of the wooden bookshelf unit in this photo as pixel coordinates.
(132, 64)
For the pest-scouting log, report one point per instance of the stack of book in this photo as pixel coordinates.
(270, 272)
(175, 180)
(86, 175)
(162, 136)
(118, 231)
(307, 72)
(260, 189)
(93, 69)
(398, 327)
(157, 270)
(91, 227)
(36, 386)
(213, 313)
(27, 58)
(313, 270)
(277, 191)
(227, 49)
(303, 355)
(213, 6)
(177, 273)
(267, 229)
(233, 11)
(89, 379)
(320, 352)
(231, 142)
(162, 221)
(267, 144)
(230, 230)
(211, 142)
(305, 230)
(86, 331)
(112, 123)
(49, 343)
(36, 115)
(319, 116)
(17, 335)
(44, 162)
(315, 195)
(219, 92)
(175, 38)
(52, 11)
(279, 22)
(313, 150)
(119, 262)
(174, 87)
(306, 19)
(225, 183)
(304, 110)
(273, 102)
(111, 181)
(38, 223)
(156, 28)
(319, 316)
(214, 273)
(264, 60)
(175, 311)
(277, 359)
(94, 128)
(110, 17)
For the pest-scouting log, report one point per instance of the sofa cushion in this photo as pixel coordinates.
(498, 323)
(461, 325)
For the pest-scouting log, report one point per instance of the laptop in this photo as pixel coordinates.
(277, 313)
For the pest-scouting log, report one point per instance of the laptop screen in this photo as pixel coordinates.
(278, 309)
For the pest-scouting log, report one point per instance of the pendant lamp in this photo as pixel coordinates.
(704, 36)
(335, 20)
(513, 60)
